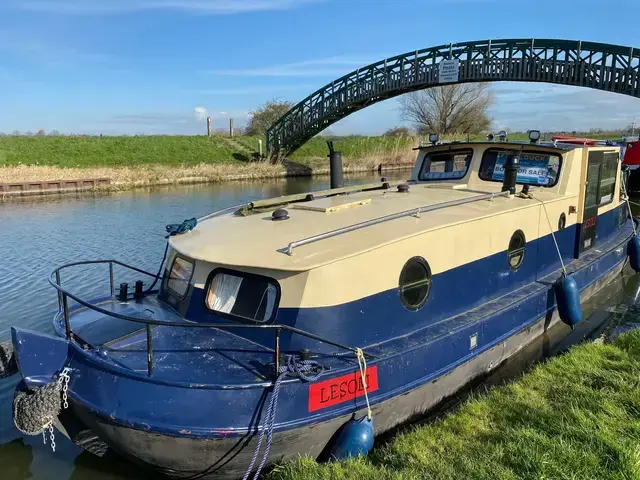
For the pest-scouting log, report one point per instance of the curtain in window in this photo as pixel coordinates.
(223, 292)
(271, 301)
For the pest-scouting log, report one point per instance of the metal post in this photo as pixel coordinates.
(277, 359)
(65, 309)
(59, 292)
(260, 147)
(231, 127)
(149, 350)
(209, 127)
(112, 287)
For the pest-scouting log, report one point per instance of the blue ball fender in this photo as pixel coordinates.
(355, 438)
(568, 301)
(633, 250)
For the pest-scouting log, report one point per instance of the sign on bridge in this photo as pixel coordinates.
(449, 71)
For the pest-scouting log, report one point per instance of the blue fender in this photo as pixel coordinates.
(633, 250)
(355, 438)
(39, 357)
(568, 301)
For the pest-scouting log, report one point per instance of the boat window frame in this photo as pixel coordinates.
(452, 151)
(518, 234)
(240, 273)
(520, 152)
(616, 177)
(171, 291)
(428, 279)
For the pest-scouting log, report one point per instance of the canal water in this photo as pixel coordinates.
(39, 234)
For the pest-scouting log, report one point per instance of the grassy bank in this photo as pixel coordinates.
(154, 160)
(175, 151)
(574, 417)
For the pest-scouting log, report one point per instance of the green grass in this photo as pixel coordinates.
(85, 152)
(113, 151)
(574, 417)
(354, 146)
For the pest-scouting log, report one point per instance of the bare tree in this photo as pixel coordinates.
(450, 109)
(265, 115)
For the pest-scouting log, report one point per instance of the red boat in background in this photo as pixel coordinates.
(630, 151)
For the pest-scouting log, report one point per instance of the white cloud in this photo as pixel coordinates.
(201, 113)
(90, 7)
(321, 67)
(224, 114)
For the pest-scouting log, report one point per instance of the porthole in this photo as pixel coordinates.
(562, 222)
(415, 283)
(517, 246)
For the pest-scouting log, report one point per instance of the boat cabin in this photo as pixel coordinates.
(370, 263)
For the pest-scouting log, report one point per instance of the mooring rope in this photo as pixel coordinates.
(301, 368)
(626, 196)
(362, 364)
(553, 235)
(173, 229)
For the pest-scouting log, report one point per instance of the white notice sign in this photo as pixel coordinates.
(449, 71)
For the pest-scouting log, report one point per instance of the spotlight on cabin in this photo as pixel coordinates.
(502, 135)
(490, 137)
(434, 138)
(534, 136)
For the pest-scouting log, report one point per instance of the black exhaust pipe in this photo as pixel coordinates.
(511, 165)
(335, 167)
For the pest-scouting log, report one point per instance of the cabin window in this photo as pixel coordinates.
(415, 283)
(180, 276)
(517, 246)
(608, 175)
(536, 168)
(446, 165)
(242, 295)
(562, 222)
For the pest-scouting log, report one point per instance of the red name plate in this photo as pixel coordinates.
(341, 389)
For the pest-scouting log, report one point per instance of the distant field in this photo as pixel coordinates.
(185, 151)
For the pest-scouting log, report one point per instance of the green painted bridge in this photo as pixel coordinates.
(612, 68)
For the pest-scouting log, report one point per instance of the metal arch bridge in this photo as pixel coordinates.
(612, 68)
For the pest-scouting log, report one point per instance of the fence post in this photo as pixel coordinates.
(231, 127)
(209, 127)
(260, 147)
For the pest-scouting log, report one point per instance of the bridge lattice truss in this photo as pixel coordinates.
(600, 66)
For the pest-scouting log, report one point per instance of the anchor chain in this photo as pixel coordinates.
(35, 410)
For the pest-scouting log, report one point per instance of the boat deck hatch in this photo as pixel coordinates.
(331, 204)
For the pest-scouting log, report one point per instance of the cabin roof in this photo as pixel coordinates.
(256, 241)
(559, 146)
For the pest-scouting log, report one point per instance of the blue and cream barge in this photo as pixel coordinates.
(392, 295)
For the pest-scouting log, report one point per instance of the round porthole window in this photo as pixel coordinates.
(517, 245)
(415, 283)
(562, 222)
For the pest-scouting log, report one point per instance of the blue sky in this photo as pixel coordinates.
(154, 66)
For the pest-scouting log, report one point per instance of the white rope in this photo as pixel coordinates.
(362, 363)
(629, 202)
(544, 207)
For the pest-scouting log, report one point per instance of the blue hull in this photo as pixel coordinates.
(177, 423)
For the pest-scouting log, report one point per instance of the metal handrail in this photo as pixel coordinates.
(64, 294)
(413, 212)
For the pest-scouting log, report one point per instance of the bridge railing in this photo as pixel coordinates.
(601, 66)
